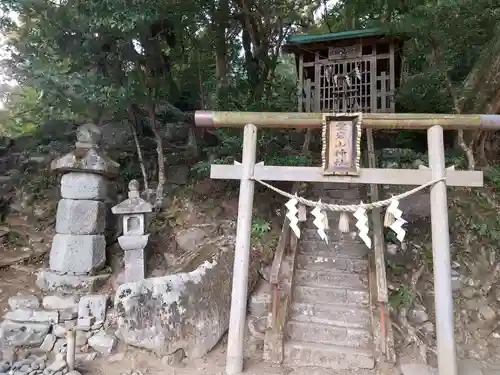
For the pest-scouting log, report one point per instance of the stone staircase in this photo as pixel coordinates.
(329, 326)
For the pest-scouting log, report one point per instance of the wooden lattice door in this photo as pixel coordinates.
(345, 86)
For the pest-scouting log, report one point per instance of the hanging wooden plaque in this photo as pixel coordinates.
(341, 144)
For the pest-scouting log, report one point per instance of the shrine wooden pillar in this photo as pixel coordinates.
(237, 319)
(443, 297)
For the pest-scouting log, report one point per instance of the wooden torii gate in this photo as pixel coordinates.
(248, 172)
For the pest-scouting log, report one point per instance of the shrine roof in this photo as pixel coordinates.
(295, 41)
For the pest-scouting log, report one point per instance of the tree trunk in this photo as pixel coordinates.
(467, 148)
(133, 129)
(161, 158)
(220, 26)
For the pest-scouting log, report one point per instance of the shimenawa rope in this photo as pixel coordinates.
(349, 207)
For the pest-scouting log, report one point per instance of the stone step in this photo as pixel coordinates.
(329, 334)
(339, 196)
(302, 354)
(353, 316)
(328, 279)
(325, 263)
(333, 221)
(333, 234)
(313, 295)
(333, 186)
(333, 249)
(328, 371)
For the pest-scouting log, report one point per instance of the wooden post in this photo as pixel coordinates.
(441, 256)
(301, 84)
(70, 350)
(392, 76)
(234, 362)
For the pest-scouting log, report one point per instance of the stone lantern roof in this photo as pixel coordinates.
(134, 204)
(87, 156)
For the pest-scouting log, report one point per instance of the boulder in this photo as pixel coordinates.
(188, 311)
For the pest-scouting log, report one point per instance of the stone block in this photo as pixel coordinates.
(188, 311)
(77, 255)
(85, 323)
(135, 267)
(78, 185)
(68, 314)
(24, 302)
(59, 330)
(60, 346)
(48, 343)
(93, 306)
(50, 282)
(23, 334)
(60, 303)
(82, 337)
(80, 217)
(85, 357)
(102, 342)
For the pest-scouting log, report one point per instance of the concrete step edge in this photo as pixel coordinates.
(340, 349)
(320, 325)
(324, 288)
(362, 318)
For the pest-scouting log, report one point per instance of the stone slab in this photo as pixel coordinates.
(80, 217)
(86, 160)
(77, 255)
(80, 185)
(24, 302)
(15, 334)
(35, 316)
(50, 281)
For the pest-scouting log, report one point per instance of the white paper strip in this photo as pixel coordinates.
(397, 225)
(291, 205)
(319, 221)
(362, 225)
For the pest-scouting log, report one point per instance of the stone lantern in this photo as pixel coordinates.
(134, 240)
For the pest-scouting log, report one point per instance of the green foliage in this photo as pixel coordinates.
(486, 230)
(492, 174)
(402, 297)
(98, 60)
(427, 257)
(202, 168)
(38, 185)
(260, 226)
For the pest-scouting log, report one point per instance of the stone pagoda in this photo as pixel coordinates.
(79, 248)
